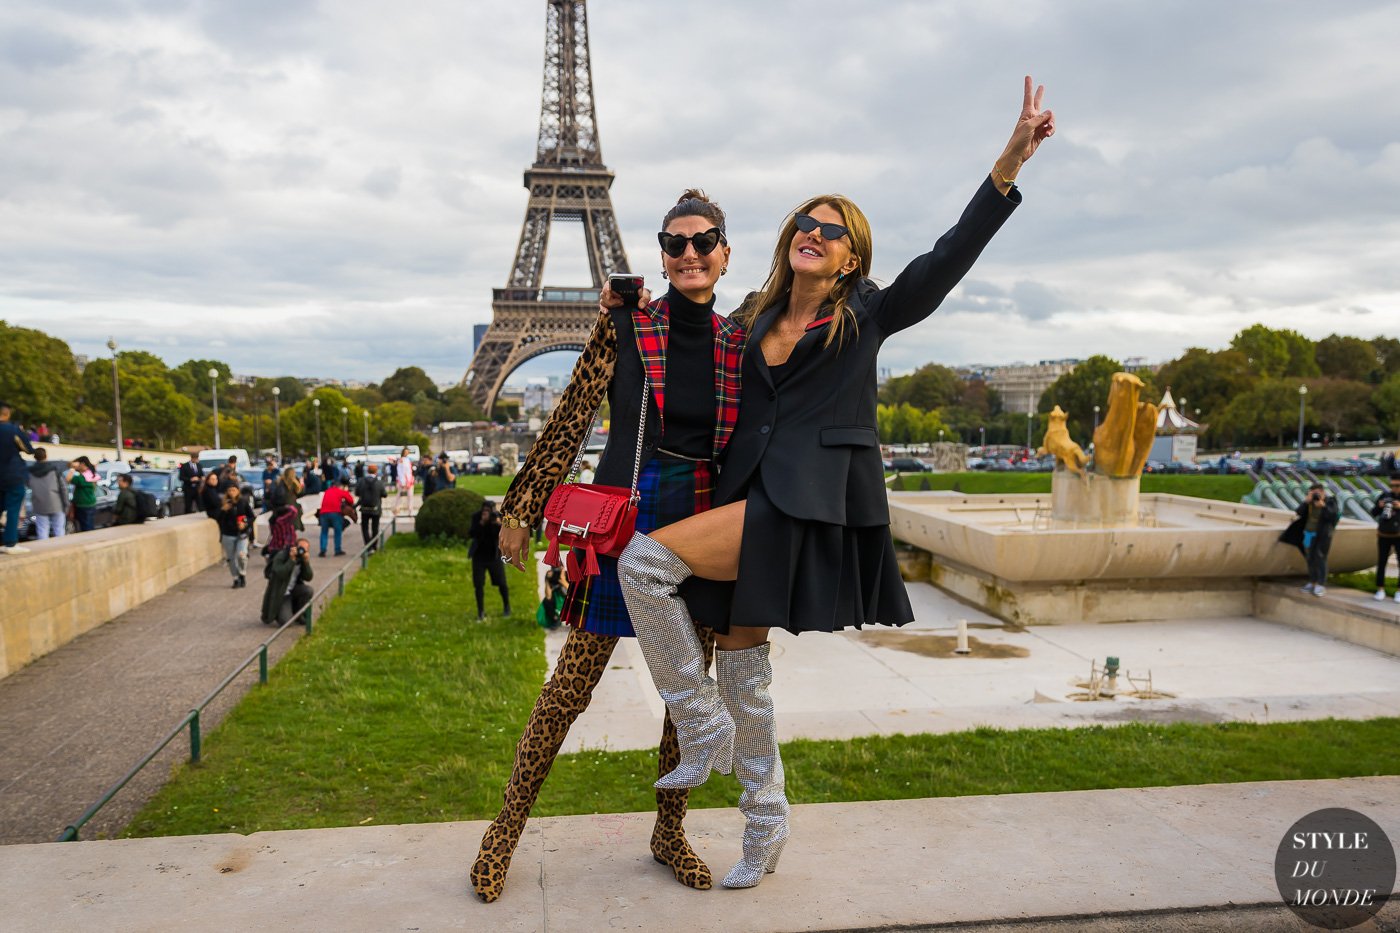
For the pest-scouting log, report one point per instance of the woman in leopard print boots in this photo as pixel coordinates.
(690, 356)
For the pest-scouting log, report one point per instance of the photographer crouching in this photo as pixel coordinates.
(289, 576)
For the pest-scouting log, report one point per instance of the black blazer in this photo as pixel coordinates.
(615, 467)
(815, 440)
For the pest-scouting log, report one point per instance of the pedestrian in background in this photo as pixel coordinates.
(553, 603)
(269, 477)
(211, 499)
(126, 511)
(228, 475)
(424, 472)
(332, 515)
(369, 493)
(1386, 512)
(286, 490)
(484, 549)
(403, 481)
(14, 479)
(236, 520)
(50, 495)
(313, 484)
(191, 479)
(443, 477)
(84, 480)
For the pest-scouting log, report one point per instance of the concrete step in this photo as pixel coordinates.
(1159, 858)
(1343, 613)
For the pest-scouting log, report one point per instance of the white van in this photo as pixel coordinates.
(215, 458)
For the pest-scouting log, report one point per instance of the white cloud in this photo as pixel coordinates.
(334, 189)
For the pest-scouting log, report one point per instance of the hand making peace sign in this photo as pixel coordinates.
(1032, 127)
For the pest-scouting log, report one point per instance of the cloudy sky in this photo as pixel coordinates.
(334, 188)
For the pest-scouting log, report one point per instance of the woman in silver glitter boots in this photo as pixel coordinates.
(801, 523)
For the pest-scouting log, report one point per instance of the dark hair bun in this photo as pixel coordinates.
(695, 203)
(693, 194)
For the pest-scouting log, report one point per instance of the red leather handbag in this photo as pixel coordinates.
(593, 518)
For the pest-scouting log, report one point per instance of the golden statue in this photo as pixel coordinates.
(1058, 442)
(1123, 441)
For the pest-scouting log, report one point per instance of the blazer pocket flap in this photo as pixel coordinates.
(849, 436)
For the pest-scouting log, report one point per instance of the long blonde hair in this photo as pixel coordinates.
(780, 275)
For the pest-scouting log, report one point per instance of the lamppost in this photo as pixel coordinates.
(277, 420)
(1030, 420)
(983, 431)
(344, 426)
(940, 435)
(1302, 400)
(214, 386)
(116, 395)
(257, 422)
(316, 407)
(366, 414)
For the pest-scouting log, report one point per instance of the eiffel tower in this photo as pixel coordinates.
(567, 182)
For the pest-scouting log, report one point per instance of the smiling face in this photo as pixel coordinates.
(693, 275)
(812, 254)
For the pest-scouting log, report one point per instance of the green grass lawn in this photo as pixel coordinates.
(401, 708)
(1227, 488)
(484, 484)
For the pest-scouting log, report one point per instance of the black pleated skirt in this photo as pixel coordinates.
(804, 576)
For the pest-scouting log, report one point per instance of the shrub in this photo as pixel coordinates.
(447, 514)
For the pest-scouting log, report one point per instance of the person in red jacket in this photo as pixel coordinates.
(330, 515)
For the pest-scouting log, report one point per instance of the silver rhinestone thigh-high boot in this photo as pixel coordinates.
(744, 677)
(649, 574)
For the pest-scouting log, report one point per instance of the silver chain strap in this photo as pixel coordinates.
(641, 433)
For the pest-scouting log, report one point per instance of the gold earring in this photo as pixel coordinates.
(664, 275)
(724, 271)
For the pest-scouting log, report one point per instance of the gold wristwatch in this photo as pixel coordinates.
(510, 521)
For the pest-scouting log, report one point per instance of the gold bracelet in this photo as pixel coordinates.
(510, 521)
(996, 173)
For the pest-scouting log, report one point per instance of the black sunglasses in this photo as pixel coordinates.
(673, 244)
(806, 223)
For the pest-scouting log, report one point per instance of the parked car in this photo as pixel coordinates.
(484, 463)
(165, 486)
(909, 465)
(102, 516)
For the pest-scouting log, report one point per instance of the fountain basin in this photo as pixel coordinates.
(1185, 558)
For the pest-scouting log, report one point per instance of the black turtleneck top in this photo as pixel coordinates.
(688, 421)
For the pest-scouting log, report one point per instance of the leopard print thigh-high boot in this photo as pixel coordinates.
(582, 662)
(668, 843)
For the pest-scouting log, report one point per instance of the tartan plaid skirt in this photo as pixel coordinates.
(670, 490)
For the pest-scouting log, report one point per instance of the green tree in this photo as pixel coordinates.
(458, 405)
(153, 410)
(407, 382)
(1387, 355)
(39, 378)
(928, 387)
(1208, 379)
(1275, 353)
(1079, 391)
(1386, 400)
(1342, 406)
(131, 364)
(1348, 358)
(192, 378)
(1266, 413)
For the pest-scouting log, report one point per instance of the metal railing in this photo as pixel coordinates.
(191, 719)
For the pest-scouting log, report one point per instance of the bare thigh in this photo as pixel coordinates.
(709, 544)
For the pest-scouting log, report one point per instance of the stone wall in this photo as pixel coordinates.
(67, 586)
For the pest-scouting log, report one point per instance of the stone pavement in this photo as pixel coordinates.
(906, 680)
(73, 722)
(1152, 858)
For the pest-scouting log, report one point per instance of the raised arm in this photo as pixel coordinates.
(921, 287)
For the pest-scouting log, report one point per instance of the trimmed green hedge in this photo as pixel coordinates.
(447, 514)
